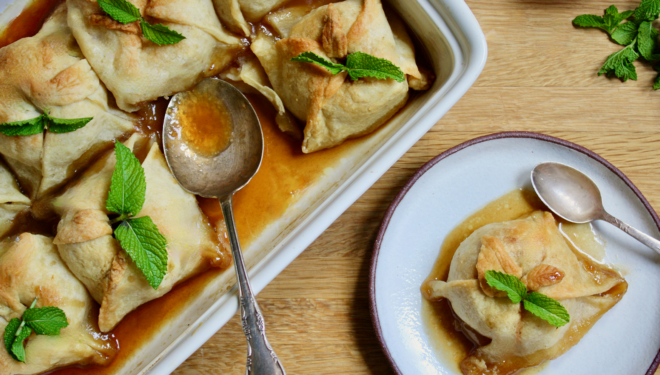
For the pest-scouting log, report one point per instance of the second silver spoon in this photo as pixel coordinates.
(573, 196)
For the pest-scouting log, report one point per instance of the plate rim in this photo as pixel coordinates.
(373, 309)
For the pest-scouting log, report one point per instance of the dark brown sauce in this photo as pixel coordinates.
(450, 336)
(284, 176)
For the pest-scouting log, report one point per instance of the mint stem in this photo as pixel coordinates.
(121, 217)
(20, 328)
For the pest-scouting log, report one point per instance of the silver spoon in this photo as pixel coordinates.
(220, 176)
(574, 197)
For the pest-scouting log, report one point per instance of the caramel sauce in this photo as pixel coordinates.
(202, 123)
(450, 337)
(28, 22)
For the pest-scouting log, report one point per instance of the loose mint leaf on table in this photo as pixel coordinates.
(160, 34)
(364, 65)
(311, 57)
(547, 309)
(47, 320)
(648, 10)
(17, 349)
(10, 334)
(619, 64)
(608, 22)
(510, 284)
(120, 10)
(626, 33)
(656, 83)
(128, 185)
(143, 242)
(647, 40)
(24, 127)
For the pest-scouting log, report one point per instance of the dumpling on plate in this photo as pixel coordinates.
(12, 201)
(47, 72)
(85, 242)
(234, 13)
(533, 250)
(137, 70)
(30, 268)
(334, 107)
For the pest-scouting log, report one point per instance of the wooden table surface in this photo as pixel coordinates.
(540, 76)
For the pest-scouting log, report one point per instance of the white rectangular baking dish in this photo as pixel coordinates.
(457, 49)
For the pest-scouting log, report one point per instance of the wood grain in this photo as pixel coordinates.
(540, 76)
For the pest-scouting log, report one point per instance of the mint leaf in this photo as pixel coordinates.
(547, 309)
(510, 284)
(656, 83)
(145, 245)
(24, 127)
(60, 125)
(648, 10)
(17, 349)
(128, 185)
(647, 40)
(120, 10)
(10, 333)
(608, 22)
(613, 18)
(311, 57)
(361, 64)
(625, 33)
(45, 320)
(590, 20)
(160, 34)
(620, 64)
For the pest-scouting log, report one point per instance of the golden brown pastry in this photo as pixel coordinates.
(85, 242)
(12, 201)
(336, 108)
(534, 250)
(234, 13)
(48, 72)
(136, 70)
(30, 268)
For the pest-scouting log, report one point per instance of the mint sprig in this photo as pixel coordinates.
(637, 35)
(139, 237)
(537, 303)
(358, 65)
(43, 122)
(124, 12)
(47, 320)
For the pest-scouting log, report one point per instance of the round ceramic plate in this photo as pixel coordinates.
(460, 181)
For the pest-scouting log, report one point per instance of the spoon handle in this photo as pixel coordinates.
(636, 234)
(261, 359)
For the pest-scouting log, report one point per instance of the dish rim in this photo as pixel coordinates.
(468, 51)
(373, 309)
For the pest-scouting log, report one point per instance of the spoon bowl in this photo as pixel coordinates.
(213, 144)
(568, 192)
(573, 196)
(214, 176)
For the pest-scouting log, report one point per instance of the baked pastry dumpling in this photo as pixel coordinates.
(30, 268)
(137, 70)
(85, 242)
(47, 72)
(12, 201)
(533, 250)
(234, 13)
(336, 108)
